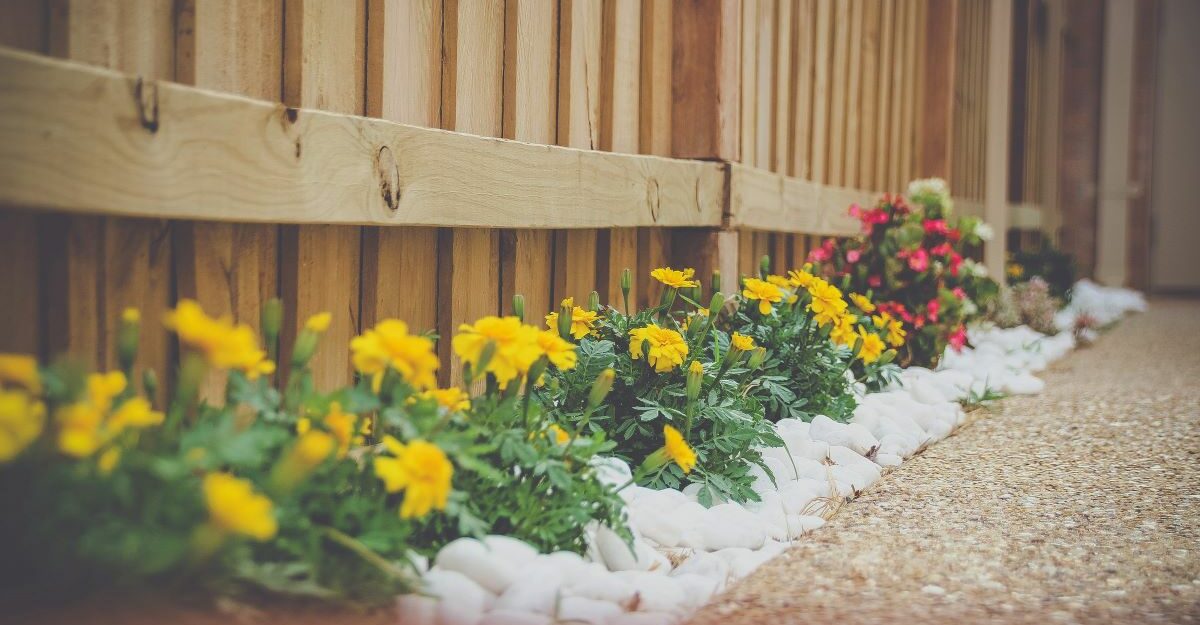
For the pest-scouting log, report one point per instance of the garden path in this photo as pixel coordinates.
(1078, 505)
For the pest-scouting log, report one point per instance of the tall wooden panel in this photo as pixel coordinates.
(939, 64)
(579, 91)
(619, 131)
(530, 105)
(654, 128)
(472, 99)
(822, 59)
(704, 79)
(324, 65)
(404, 84)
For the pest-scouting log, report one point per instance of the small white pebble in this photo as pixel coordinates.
(933, 590)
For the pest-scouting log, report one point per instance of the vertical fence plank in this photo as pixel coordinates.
(785, 27)
(621, 89)
(324, 66)
(854, 95)
(884, 106)
(838, 93)
(404, 84)
(530, 108)
(655, 130)
(22, 25)
(999, 65)
(579, 60)
(704, 79)
(802, 67)
(868, 98)
(235, 46)
(749, 82)
(472, 98)
(822, 58)
(98, 266)
(937, 127)
(896, 108)
(910, 88)
(765, 83)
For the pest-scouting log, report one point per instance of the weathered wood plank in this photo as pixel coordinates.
(763, 200)
(705, 79)
(620, 94)
(70, 140)
(324, 66)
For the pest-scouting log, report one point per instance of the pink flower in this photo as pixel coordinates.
(918, 261)
(852, 256)
(818, 255)
(960, 293)
(958, 338)
(935, 226)
(956, 261)
(942, 250)
(875, 281)
(918, 322)
(932, 309)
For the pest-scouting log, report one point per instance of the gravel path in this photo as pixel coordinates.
(1079, 505)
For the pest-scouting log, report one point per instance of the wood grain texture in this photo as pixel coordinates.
(763, 200)
(404, 84)
(324, 67)
(803, 64)
(530, 112)
(74, 153)
(868, 111)
(580, 59)
(940, 43)
(619, 130)
(472, 102)
(748, 60)
(784, 88)
(821, 134)
(999, 66)
(765, 85)
(838, 103)
(884, 99)
(705, 79)
(654, 244)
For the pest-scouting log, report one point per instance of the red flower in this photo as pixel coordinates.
(917, 323)
(935, 226)
(918, 261)
(953, 234)
(942, 250)
(932, 308)
(875, 281)
(956, 261)
(852, 256)
(958, 338)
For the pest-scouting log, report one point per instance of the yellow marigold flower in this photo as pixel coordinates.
(560, 435)
(108, 460)
(561, 353)
(872, 346)
(389, 344)
(22, 418)
(827, 304)
(582, 320)
(676, 278)
(345, 428)
(313, 447)
(453, 399)
(223, 344)
(135, 412)
(131, 315)
(741, 342)
(763, 291)
(1015, 270)
(779, 281)
(21, 370)
(800, 278)
(87, 425)
(843, 331)
(667, 347)
(419, 468)
(678, 450)
(319, 322)
(79, 429)
(516, 346)
(233, 506)
(894, 328)
(862, 302)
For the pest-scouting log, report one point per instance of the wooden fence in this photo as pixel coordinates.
(426, 159)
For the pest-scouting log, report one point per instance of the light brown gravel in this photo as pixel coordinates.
(1079, 505)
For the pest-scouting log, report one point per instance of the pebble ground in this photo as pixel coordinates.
(1078, 505)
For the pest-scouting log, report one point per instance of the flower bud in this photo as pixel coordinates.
(272, 321)
(309, 451)
(715, 304)
(518, 307)
(304, 348)
(565, 313)
(127, 338)
(757, 357)
(764, 267)
(150, 384)
(626, 282)
(601, 388)
(695, 376)
(485, 358)
(716, 280)
(593, 301)
(535, 372)
(887, 357)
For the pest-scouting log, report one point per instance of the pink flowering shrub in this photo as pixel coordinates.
(911, 261)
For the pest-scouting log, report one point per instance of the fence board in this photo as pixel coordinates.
(763, 200)
(836, 155)
(472, 100)
(324, 65)
(530, 94)
(655, 130)
(749, 82)
(766, 82)
(802, 123)
(822, 58)
(853, 96)
(620, 93)
(784, 88)
(868, 97)
(404, 84)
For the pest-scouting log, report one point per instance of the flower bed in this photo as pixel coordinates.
(610, 467)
